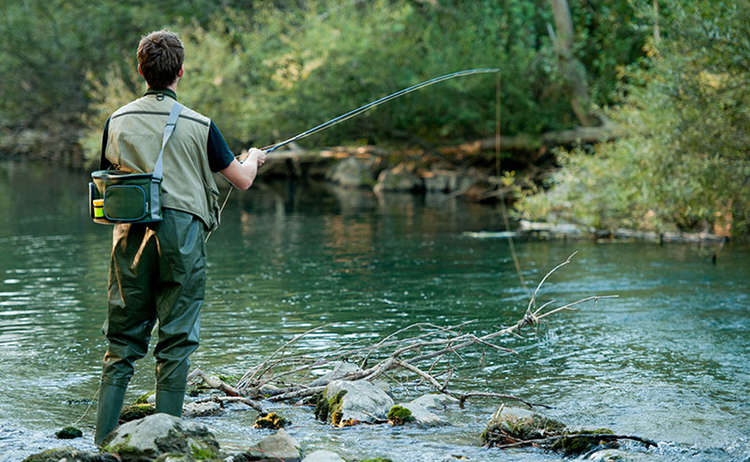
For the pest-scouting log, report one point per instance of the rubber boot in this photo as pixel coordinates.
(108, 410)
(170, 402)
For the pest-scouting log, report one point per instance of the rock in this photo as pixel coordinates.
(136, 411)
(446, 181)
(399, 415)
(355, 172)
(272, 448)
(70, 455)
(350, 403)
(271, 420)
(321, 455)
(205, 409)
(422, 407)
(340, 369)
(399, 178)
(161, 434)
(69, 433)
(609, 455)
(512, 424)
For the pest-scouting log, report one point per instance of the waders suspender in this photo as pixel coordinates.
(158, 168)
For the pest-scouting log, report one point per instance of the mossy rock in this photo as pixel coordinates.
(399, 415)
(510, 425)
(271, 420)
(326, 408)
(69, 433)
(135, 412)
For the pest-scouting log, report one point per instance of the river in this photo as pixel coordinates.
(667, 360)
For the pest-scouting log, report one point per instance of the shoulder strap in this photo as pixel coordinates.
(168, 129)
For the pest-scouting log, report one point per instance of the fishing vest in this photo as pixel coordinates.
(133, 143)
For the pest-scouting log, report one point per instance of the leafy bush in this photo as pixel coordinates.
(684, 163)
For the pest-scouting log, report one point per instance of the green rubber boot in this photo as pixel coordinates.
(170, 402)
(108, 410)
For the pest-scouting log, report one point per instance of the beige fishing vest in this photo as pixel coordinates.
(133, 143)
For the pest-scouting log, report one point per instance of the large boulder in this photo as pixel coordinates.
(277, 447)
(158, 435)
(349, 403)
(355, 172)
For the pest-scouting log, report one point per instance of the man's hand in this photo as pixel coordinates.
(253, 155)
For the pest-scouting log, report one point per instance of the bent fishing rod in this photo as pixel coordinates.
(361, 109)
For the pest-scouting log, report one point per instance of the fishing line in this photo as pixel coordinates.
(502, 197)
(355, 112)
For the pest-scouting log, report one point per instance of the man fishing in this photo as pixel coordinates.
(158, 270)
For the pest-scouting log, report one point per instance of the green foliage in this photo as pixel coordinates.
(683, 164)
(267, 73)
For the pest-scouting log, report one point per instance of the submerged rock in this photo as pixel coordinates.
(279, 446)
(422, 409)
(69, 433)
(349, 403)
(322, 455)
(70, 455)
(205, 409)
(161, 434)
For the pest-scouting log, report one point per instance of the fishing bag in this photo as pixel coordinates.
(117, 196)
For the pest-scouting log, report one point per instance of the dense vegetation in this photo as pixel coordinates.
(268, 70)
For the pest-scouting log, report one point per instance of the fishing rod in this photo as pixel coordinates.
(377, 102)
(355, 112)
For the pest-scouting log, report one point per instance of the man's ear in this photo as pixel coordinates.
(181, 71)
(140, 71)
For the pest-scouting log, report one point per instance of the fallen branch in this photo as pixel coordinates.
(554, 439)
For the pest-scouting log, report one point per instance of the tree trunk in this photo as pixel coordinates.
(572, 69)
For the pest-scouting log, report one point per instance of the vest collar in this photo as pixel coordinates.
(161, 93)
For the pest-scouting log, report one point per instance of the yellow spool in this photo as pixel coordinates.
(98, 208)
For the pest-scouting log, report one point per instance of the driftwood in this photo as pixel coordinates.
(420, 351)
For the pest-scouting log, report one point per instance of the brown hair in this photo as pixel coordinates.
(160, 56)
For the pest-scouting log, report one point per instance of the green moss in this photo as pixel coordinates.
(143, 399)
(136, 411)
(399, 415)
(229, 379)
(271, 420)
(68, 433)
(321, 408)
(202, 453)
(334, 408)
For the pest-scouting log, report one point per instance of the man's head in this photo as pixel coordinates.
(160, 56)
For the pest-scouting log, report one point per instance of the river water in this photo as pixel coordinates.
(667, 360)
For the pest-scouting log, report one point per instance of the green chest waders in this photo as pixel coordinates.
(157, 272)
